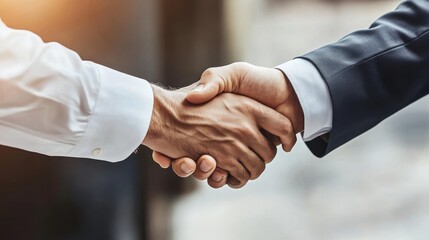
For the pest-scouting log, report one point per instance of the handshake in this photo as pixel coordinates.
(225, 128)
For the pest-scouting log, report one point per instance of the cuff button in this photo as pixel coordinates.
(96, 152)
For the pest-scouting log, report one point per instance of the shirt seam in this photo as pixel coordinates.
(376, 55)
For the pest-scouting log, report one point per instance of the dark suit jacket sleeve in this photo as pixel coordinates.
(374, 73)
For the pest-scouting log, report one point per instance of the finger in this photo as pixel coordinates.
(289, 146)
(206, 165)
(184, 167)
(264, 147)
(276, 124)
(235, 183)
(238, 177)
(161, 159)
(271, 138)
(218, 178)
(254, 164)
(235, 168)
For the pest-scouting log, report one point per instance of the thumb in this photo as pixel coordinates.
(217, 80)
(206, 90)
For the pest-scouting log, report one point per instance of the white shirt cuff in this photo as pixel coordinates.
(313, 94)
(120, 119)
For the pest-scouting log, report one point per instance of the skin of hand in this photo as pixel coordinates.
(226, 128)
(266, 85)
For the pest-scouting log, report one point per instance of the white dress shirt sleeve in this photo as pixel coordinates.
(313, 95)
(55, 104)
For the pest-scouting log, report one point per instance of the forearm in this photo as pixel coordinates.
(56, 104)
(372, 74)
(164, 121)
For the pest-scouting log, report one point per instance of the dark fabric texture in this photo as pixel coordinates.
(372, 74)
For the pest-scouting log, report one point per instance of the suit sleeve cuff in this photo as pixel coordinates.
(120, 119)
(313, 94)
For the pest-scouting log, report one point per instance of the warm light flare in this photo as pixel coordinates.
(28, 12)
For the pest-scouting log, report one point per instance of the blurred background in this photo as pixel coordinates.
(375, 187)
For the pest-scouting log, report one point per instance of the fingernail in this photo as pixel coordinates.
(217, 177)
(185, 168)
(233, 182)
(162, 166)
(205, 167)
(198, 88)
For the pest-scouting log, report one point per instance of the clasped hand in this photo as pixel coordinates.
(230, 122)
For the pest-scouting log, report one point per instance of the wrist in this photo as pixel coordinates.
(296, 113)
(292, 107)
(159, 115)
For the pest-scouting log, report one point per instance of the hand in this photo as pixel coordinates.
(226, 128)
(266, 85)
(185, 166)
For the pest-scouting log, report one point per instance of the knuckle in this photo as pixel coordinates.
(287, 147)
(294, 140)
(258, 172)
(244, 175)
(291, 144)
(247, 131)
(214, 184)
(199, 175)
(241, 65)
(209, 72)
(272, 154)
(241, 176)
(237, 186)
(287, 128)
